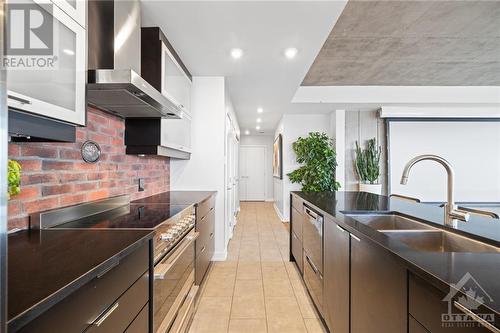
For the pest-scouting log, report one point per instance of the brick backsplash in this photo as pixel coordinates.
(55, 175)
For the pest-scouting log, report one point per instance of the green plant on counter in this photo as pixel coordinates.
(367, 162)
(14, 178)
(317, 155)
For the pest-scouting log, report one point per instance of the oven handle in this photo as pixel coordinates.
(165, 265)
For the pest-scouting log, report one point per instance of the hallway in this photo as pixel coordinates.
(257, 289)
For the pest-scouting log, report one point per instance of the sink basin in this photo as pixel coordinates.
(439, 241)
(389, 222)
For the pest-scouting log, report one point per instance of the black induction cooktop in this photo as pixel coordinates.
(132, 216)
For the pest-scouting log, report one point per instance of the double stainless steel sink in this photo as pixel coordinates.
(421, 236)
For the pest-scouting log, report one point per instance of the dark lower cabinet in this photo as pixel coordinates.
(427, 304)
(205, 243)
(108, 303)
(378, 289)
(336, 277)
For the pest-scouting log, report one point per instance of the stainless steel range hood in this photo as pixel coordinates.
(114, 63)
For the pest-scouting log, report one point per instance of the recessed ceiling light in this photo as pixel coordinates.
(291, 52)
(247, 132)
(260, 110)
(257, 127)
(236, 53)
(259, 120)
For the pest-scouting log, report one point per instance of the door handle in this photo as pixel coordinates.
(476, 318)
(19, 99)
(340, 228)
(355, 237)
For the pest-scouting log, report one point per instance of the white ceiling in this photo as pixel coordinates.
(204, 32)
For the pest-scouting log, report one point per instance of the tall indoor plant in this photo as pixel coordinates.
(367, 164)
(317, 155)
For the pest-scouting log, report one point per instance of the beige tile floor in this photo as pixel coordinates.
(256, 289)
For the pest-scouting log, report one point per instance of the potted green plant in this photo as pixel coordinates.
(317, 155)
(14, 178)
(367, 164)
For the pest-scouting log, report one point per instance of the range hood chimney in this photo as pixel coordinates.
(114, 63)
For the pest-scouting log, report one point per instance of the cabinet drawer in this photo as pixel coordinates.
(77, 311)
(204, 207)
(297, 252)
(297, 203)
(426, 305)
(202, 262)
(205, 226)
(314, 283)
(297, 222)
(205, 242)
(415, 327)
(141, 322)
(121, 313)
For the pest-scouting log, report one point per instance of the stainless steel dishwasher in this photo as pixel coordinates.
(312, 234)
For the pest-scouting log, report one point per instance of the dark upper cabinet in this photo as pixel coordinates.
(336, 273)
(378, 289)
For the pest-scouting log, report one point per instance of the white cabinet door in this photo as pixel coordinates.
(176, 133)
(76, 9)
(175, 83)
(57, 92)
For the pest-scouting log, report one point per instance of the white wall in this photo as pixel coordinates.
(293, 126)
(267, 141)
(206, 168)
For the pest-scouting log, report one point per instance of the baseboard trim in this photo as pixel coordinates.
(279, 214)
(270, 200)
(220, 256)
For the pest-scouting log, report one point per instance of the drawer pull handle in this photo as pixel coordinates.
(313, 267)
(355, 237)
(211, 235)
(202, 249)
(341, 229)
(106, 314)
(19, 99)
(477, 318)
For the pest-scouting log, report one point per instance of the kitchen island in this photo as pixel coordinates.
(366, 272)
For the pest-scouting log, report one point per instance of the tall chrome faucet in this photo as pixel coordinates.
(451, 212)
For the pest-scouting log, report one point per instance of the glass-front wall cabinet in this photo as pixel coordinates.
(54, 86)
(176, 85)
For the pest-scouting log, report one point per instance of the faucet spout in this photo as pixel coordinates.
(451, 210)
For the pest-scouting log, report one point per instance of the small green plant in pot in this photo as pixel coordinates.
(367, 164)
(14, 178)
(317, 155)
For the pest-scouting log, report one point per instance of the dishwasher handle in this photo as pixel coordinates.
(310, 213)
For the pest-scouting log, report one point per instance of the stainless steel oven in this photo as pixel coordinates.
(312, 236)
(174, 289)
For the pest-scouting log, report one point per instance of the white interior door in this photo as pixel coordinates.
(252, 173)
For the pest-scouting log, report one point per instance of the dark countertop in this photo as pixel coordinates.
(46, 266)
(176, 198)
(440, 269)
